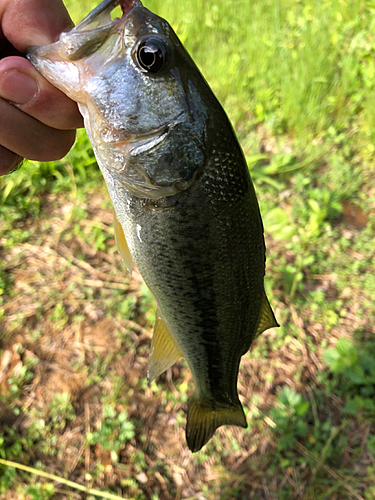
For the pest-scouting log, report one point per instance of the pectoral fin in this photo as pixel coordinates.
(164, 351)
(121, 243)
(266, 319)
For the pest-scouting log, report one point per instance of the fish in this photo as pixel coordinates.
(185, 209)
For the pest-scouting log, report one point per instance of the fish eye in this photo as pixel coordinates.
(152, 55)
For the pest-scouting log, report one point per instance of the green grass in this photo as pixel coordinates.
(296, 79)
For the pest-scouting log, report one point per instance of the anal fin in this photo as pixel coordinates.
(163, 352)
(121, 243)
(266, 318)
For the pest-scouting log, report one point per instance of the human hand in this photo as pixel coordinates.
(37, 121)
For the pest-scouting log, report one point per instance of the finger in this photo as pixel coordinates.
(8, 161)
(33, 22)
(39, 142)
(23, 85)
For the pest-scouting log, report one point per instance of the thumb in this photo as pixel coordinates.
(33, 22)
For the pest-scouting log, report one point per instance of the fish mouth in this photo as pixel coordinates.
(90, 34)
(82, 41)
(105, 7)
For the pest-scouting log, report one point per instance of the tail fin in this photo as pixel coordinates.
(204, 418)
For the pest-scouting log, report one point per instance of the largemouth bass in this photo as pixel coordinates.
(185, 208)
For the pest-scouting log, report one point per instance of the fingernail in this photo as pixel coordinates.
(17, 87)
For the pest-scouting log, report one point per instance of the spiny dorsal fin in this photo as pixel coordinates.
(204, 418)
(121, 243)
(267, 318)
(163, 352)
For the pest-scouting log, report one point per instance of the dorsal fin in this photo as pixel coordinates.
(266, 318)
(121, 243)
(163, 352)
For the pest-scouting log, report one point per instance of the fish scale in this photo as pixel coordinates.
(185, 208)
(203, 270)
